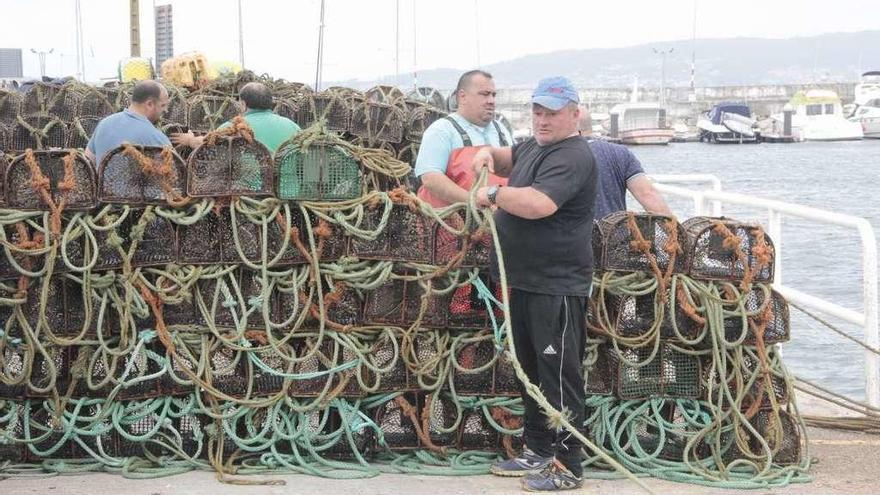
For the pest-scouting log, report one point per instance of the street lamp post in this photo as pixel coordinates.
(663, 54)
(42, 57)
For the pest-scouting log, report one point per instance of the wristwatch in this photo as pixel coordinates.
(492, 193)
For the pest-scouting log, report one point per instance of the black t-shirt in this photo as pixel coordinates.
(551, 255)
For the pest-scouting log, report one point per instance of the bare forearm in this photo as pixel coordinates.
(443, 188)
(652, 202)
(499, 161)
(187, 139)
(648, 196)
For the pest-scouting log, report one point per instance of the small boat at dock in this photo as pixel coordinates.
(729, 122)
(642, 123)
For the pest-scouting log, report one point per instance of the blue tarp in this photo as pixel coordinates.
(728, 107)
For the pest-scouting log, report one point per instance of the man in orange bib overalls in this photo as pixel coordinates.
(449, 144)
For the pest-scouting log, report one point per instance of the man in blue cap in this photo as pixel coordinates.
(544, 218)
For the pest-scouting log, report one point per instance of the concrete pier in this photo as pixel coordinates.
(681, 102)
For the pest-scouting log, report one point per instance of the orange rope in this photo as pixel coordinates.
(294, 237)
(374, 202)
(401, 196)
(334, 296)
(733, 242)
(672, 247)
(766, 384)
(161, 329)
(42, 186)
(323, 231)
(687, 307)
(238, 128)
(162, 169)
(258, 336)
(330, 299)
(507, 420)
(762, 250)
(25, 242)
(421, 427)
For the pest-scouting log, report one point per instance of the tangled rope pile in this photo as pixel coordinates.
(695, 388)
(113, 360)
(353, 337)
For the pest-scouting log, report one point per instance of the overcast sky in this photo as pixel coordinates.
(281, 37)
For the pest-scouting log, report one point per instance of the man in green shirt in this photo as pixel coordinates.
(269, 128)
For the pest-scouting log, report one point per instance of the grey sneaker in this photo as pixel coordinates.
(527, 462)
(552, 478)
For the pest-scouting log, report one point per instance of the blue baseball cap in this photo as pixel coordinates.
(554, 93)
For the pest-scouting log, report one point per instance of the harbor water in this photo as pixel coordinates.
(822, 260)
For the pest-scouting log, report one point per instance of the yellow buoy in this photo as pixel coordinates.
(135, 69)
(220, 68)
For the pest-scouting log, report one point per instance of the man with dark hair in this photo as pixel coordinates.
(146, 90)
(619, 171)
(135, 125)
(256, 96)
(269, 128)
(445, 171)
(545, 222)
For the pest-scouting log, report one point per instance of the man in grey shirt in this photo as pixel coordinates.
(135, 125)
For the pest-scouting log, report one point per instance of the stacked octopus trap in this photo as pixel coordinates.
(683, 366)
(228, 309)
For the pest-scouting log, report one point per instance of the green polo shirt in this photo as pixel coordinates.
(269, 128)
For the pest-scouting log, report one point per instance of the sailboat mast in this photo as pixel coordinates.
(415, 51)
(320, 50)
(80, 58)
(240, 38)
(694, 48)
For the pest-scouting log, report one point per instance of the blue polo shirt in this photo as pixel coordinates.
(617, 166)
(441, 138)
(124, 127)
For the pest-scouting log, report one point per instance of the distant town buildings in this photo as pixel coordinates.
(10, 63)
(164, 35)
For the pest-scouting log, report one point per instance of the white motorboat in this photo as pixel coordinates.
(729, 122)
(866, 110)
(868, 88)
(868, 116)
(818, 116)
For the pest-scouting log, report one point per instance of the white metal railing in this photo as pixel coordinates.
(709, 201)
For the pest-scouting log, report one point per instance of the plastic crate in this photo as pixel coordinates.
(321, 172)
